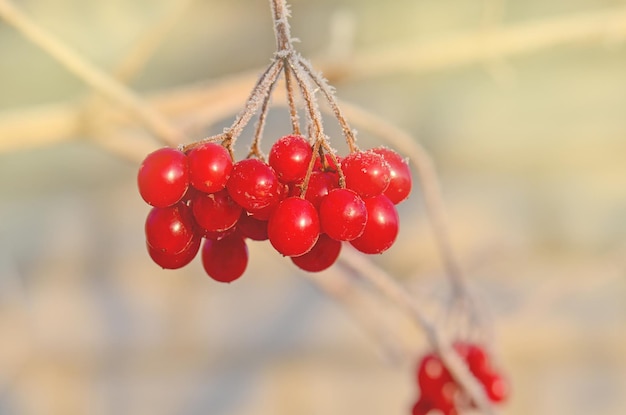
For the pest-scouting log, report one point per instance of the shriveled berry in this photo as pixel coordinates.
(343, 214)
(366, 172)
(290, 157)
(178, 260)
(294, 227)
(170, 229)
(225, 260)
(215, 212)
(163, 177)
(323, 254)
(210, 166)
(253, 184)
(401, 182)
(381, 227)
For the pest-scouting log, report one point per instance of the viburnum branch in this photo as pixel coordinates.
(397, 295)
(433, 200)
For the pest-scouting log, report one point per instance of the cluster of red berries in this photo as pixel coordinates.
(295, 202)
(440, 392)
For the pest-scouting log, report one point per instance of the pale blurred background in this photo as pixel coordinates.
(531, 149)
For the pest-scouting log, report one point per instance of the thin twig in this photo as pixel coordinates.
(398, 296)
(255, 147)
(206, 103)
(90, 74)
(293, 111)
(328, 93)
(151, 39)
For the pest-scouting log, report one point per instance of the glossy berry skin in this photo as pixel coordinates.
(294, 227)
(290, 157)
(210, 166)
(266, 212)
(366, 172)
(163, 177)
(343, 215)
(215, 212)
(496, 387)
(323, 254)
(381, 228)
(251, 227)
(436, 383)
(178, 260)
(401, 182)
(225, 260)
(170, 229)
(253, 184)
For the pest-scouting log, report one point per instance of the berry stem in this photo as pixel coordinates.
(314, 116)
(293, 112)
(255, 148)
(282, 30)
(328, 92)
(309, 170)
(333, 157)
(261, 90)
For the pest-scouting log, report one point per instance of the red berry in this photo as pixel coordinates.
(290, 157)
(175, 261)
(170, 229)
(476, 358)
(323, 254)
(381, 227)
(253, 184)
(215, 212)
(251, 227)
(266, 212)
(436, 383)
(163, 177)
(294, 227)
(343, 215)
(225, 260)
(366, 172)
(421, 407)
(496, 387)
(401, 182)
(209, 167)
